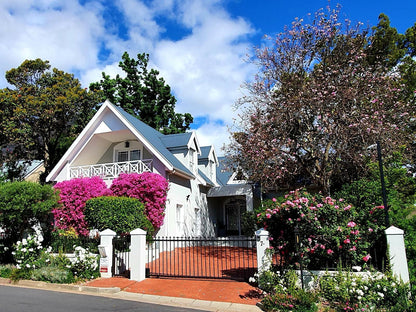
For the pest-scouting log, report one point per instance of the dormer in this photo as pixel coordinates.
(185, 147)
(208, 162)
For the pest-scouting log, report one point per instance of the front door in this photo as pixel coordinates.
(233, 210)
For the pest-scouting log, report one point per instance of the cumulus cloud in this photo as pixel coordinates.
(67, 34)
(202, 62)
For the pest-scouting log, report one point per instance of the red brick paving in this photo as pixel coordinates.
(211, 290)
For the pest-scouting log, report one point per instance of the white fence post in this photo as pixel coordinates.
(138, 255)
(263, 260)
(106, 252)
(397, 253)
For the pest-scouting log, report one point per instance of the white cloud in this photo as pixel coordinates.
(213, 133)
(204, 68)
(66, 35)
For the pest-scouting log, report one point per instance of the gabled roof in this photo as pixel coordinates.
(155, 139)
(207, 152)
(224, 172)
(151, 138)
(180, 141)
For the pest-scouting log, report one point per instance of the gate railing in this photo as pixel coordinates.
(203, 257)
(121, 256)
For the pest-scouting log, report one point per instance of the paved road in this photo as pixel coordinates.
(19, 299)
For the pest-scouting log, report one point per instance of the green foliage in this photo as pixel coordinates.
(144, 95)
(300, 301)
(121, 214)
(401, 192)
(6, 270)
(24, 204)
(43, 114)
(53, 274)
(64, 241)
(249, 223)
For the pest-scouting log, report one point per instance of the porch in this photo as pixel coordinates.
(108, 171)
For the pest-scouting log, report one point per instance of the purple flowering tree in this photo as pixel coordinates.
(316, 105)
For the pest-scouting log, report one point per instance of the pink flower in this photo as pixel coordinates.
(370, 230)
(329, 251)
(268, 215)
(274, 199)
(351, 224)
(347, 241)
(366, 258)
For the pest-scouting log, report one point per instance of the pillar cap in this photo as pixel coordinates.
(262, 232)
(108, 232)
(138, 232)
(394, 231)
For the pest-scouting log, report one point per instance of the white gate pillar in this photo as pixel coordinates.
(106, 252)
(264, 261)
(397, 253)
(138, 255)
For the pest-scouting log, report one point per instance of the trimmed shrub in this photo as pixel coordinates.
(150, 188)
(121, 214)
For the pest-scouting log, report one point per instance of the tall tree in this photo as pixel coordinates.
(42, 114)
(316, 106)
(143, 94)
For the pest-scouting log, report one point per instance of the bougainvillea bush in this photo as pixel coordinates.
(330, 230)
(150, 188)
(73, 196)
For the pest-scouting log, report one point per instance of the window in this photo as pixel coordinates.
(179, 218)
(191, 156)
(127, 151)
(128, 155)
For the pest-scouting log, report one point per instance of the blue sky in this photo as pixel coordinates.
(199, 46)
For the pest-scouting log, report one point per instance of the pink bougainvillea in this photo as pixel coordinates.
(150, 188)
(74, 194)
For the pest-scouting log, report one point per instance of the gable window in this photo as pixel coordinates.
(127, 151)
(191, 156)
(128, 155)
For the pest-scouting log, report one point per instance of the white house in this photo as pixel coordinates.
(204, 199)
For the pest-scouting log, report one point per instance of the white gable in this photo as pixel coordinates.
(109, 123)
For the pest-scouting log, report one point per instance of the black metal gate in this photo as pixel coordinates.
(121, 256)
(220, 258)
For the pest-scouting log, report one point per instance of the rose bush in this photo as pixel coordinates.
(330, 230)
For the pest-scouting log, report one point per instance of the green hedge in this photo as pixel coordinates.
(22, 205)
(120, 214)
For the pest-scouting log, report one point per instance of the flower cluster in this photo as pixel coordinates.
(74, 194)
(85, 264)
(27, 252)
(328, 229)
(150, 188)
(369, 291)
